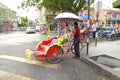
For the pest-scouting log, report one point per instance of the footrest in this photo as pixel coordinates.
(28, 53)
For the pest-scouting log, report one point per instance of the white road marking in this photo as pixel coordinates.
(34, 62)
(4, 75)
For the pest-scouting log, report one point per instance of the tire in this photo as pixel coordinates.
(72, 48)
(100, 35)
(113, 37)
(80, 48)
(54, 54)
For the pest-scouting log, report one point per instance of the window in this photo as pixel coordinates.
(114, 15)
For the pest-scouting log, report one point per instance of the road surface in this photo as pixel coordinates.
(14, 65)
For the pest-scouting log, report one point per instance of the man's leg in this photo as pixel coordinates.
(76, 48)
(93, 33)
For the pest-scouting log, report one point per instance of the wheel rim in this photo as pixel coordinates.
(113, 37)
(80, 48)
(72, 49)
(100, 36)
(54, 54)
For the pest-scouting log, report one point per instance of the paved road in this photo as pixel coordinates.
(14, 66)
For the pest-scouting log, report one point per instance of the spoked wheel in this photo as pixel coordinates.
(113, 37)
(80, 48)
(54, 54)
(72, 48)
(101, 36)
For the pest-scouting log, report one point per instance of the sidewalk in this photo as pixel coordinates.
(105, 57)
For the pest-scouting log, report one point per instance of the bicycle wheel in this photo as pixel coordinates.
(100, 35)
(84, 47)
(54, 54)
(113, 37)
(72, 48)
(80, 47)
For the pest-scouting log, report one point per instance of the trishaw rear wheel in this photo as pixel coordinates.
(80, 48)
(54, 54)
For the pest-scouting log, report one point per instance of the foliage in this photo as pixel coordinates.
(27, 3)
(116, 4)
(23, 21)
(56, 5)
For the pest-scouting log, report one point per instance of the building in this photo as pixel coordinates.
(104, 16)
(108, 16)
(41, 16)
(7, 18)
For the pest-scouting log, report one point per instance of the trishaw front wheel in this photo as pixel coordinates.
(54, 54)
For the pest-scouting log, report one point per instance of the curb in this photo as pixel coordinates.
(113, 75)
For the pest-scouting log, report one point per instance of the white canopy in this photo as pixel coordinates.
(67, 15)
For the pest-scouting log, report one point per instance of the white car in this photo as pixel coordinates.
(37, 28)
(16, 29)
(30, 30)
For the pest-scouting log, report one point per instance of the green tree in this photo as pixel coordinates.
(116, 4)
(56, 5)
(24, 21)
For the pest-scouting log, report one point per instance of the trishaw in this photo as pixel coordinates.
(49, 50)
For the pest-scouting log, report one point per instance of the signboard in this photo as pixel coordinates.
(90, 1)
(98, 6)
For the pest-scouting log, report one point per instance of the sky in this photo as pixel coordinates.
(32, 14)
(13, 5)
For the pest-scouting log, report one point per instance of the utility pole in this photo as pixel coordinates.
(97, 22)
(97, 7)
(88, 2)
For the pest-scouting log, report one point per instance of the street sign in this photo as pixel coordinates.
(87, 2)
(98, 6)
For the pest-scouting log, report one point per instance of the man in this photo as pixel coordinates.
(76, 39)
(94, 29)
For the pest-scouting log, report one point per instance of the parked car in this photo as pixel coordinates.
(16, 29)
(30, 29)
(37, 28)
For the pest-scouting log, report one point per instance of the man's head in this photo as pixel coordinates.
(75, 24)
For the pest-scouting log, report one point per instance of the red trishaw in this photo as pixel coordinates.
(50, 50)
